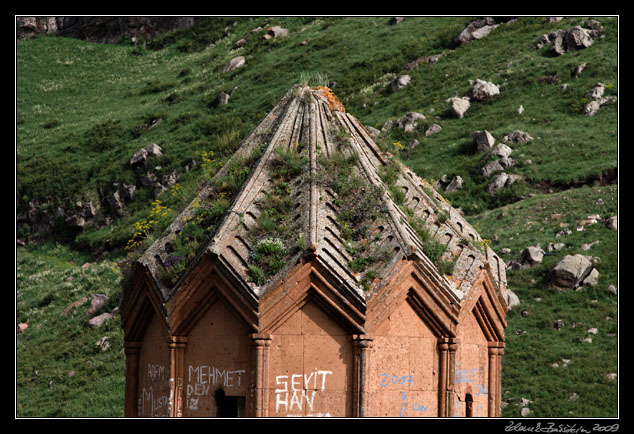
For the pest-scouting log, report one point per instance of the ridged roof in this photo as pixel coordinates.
(311, 121)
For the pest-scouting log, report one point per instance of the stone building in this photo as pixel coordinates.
(344, 286)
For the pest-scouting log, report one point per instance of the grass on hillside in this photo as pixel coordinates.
(60, 371)
(533, 343)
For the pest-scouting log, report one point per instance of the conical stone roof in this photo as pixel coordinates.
(343, 202)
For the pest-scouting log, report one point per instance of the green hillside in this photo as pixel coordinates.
(83, 110)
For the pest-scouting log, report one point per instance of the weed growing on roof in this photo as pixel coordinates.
(202, 223)
(359, 204)
(275, 236)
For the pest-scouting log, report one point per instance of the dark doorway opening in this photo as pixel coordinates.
(469, 402)
(229, 406)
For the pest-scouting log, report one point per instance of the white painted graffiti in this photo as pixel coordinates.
(301, 389)
(155, 373)
(202, 377)
(157, 402)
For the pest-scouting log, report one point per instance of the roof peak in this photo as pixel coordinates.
(322, 186)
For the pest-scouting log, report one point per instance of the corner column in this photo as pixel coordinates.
(498, 413)
(177, 373)
(131, 350)
(261, 343)
(447, 348)
(495, 355)
(361, 343)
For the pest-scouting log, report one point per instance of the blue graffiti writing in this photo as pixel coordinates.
(396, 379)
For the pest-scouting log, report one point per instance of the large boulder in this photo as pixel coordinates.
(484, 140)
(570, 271)
(459, 106)
(517, 136)
(400, 82)
(409, 122)
(235, 63)
(575, 38)
(277, 31)
(483, 90)
(139, 158)
(478, 29)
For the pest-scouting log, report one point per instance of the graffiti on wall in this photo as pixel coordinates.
(201, 378)
(405, 407)
(295, 393)
(155, 399)
(476, 378)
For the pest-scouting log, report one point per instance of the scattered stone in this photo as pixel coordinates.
(501, 150)
(400, 82)
(277, 31)
(611, 223)
(592, 279)
(511, 298)
(502, 180)
(498, 183)
(96, 303)
(483, 90)
(573, 397)
(71, 373)
(612, 376)
(484, 140)
(303, 43)
(397, 20)
(476, 30)
(387, 126)
(492, 167)
(587, 340)
(579, 69)
(505, 251)
(409, 122)
(570, 271)
(592, 330)
(240, 43)
(520, 110)
(425, 59)
(99, 320)
(532, 255)
(459, 106)
(222, 99)
(454, 185)
(235, 63)
(516, 137)
(21, 327)
(575, 38)
(525, 412)
(139, 158)
(559, 324)
(597, 91)
(412, 145)
(554, 247)
(434, 129)
(612, 289)
(103, 343)
(588, 246)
